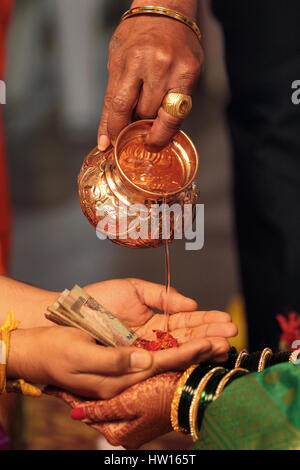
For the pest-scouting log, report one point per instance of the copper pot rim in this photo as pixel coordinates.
(144, 191)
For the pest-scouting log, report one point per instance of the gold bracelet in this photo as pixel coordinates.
(176, 398)
(146, 10)
(294, 357)
(267, 352)
(243, 353)
(18, 385)
(227, 378)
(10, 325)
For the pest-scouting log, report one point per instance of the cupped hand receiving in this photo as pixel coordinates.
(133, 301)
(149, 56)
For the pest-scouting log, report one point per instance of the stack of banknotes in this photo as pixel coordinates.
(78, 309)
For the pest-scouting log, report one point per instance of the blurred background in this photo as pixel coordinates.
(56, 80)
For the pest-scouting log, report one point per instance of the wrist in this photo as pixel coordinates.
(187, 8)
(28, 303)
(23, 355)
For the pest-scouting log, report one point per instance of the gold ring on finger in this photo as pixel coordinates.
(177, 105)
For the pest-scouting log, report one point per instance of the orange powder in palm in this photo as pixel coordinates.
(164, 340)
(160, 172)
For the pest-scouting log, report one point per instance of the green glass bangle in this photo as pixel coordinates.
(187, 396)
(203, 396)
(278, 358)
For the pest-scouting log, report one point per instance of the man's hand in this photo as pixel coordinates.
(133, 301)
(70, 359)
(149, 56)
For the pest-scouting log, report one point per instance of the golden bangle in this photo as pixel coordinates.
(150, 9)
(18, 385)
(267, 352)
(194, 408)
(294, 357)
(176, 398)
(243, 353)
(10, 325)
(224, 381)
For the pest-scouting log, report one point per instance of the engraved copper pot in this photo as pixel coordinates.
(115, 183)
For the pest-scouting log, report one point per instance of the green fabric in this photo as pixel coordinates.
(257, 411)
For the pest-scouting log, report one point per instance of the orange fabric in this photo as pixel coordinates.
(5, 208)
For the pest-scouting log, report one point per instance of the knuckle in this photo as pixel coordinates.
(120, 104)
(137, 53)
(117, 361)
(188, 335)
(223, 347)
(170, 126)
(187, 319)
(194, 67)
(227, 317)
(189, 71)
(163, 57)
(107, 101)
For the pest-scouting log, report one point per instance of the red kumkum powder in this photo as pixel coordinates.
(164, 341)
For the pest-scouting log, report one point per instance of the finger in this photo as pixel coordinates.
(192, 319)
(193, 352)
(67, 397)
(120, 434)
(164, 128)
(223, 330)
(118, 408)
(150, 101)
(103, 410)
(155, 296)
(179, 358)
(220, 358)
(95, 359)
(122, 104)
(219, 347)
(103, 135)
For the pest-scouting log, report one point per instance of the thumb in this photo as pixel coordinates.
(109, 361)
(162, 132)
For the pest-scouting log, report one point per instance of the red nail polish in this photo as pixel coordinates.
(78, 413)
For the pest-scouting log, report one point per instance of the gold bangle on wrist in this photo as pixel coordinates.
(17, 385)
(150, 9)
(228, 378)
(266, 353)
(10, 325)
(176, 398)
(294, 357)
(243, 353)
